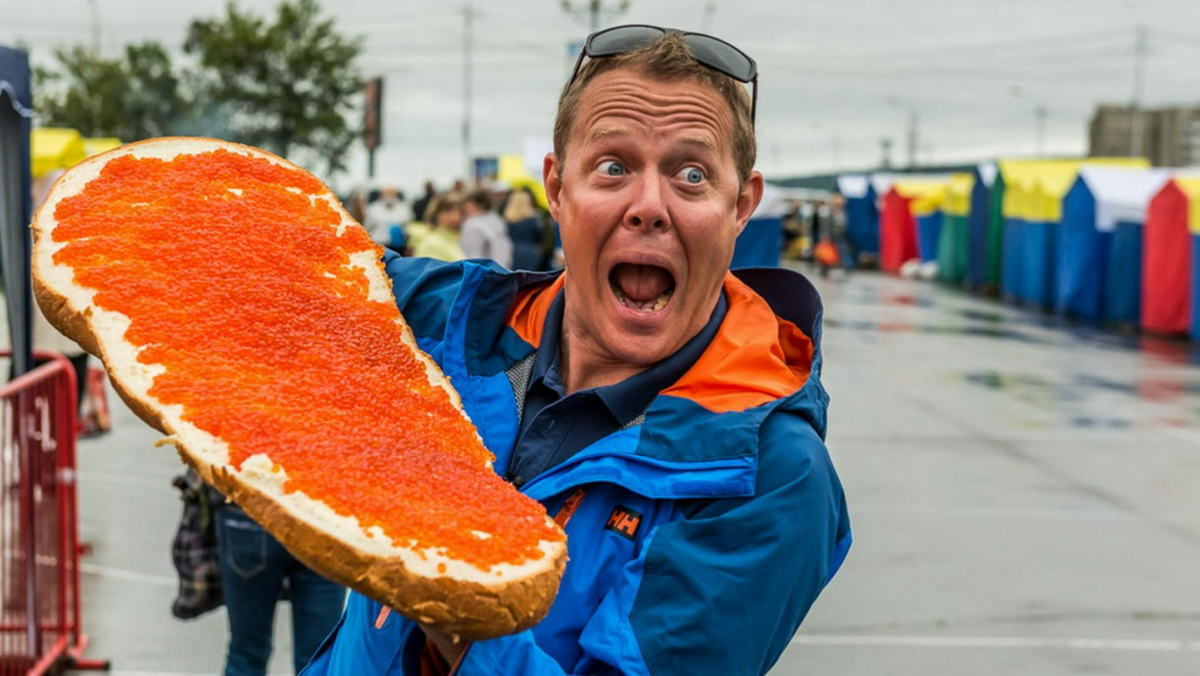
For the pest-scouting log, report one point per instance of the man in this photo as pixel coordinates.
(676, 409)
(484, 234)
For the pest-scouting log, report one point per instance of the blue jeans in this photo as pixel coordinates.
(254, 568)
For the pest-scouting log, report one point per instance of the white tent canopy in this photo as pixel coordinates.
(1121, 193)
(853, 185)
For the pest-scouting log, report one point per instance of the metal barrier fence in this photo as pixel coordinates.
(39, 538)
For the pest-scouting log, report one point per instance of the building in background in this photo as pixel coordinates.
(1170, 136)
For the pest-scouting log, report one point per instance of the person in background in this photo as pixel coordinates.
(484, 233)
(445, 218)
(384, 214)
(525, 231)
(667, 410)
(255, 571)
(421, 204)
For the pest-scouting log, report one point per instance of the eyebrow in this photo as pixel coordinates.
(610, 131)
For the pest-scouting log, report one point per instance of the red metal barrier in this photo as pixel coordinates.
(39, 531)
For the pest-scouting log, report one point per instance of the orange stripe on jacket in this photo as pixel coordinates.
(755, 358)
(528, 312)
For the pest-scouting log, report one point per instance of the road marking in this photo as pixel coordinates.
(1036, 643)
(1109, 515)
(128, 575)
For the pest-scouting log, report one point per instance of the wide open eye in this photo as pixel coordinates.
(611, 168)
(692, 175)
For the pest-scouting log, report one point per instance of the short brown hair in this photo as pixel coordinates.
(668, 59)
(441, 203)
(481, 199)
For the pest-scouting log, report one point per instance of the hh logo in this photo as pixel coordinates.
(624, 521)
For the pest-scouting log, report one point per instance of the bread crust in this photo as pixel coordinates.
(451, 605)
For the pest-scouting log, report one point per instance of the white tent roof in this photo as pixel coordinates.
(987, 172)
(1121, 193)
(853, 185)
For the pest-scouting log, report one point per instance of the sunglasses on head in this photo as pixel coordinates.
(707, 50)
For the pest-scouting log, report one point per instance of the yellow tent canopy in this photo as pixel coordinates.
(927, 195)
(1191, 188)
(958, 195)
(1034, 189)
(512, 171)
(55, 148)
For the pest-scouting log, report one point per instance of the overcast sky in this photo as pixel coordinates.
(836, 76)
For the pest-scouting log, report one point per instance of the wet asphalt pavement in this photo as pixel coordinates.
(1024, 491)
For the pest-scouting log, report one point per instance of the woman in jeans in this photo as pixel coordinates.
(255, 571)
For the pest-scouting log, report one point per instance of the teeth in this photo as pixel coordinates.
(648, 306)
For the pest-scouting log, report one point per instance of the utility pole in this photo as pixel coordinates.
(95, 26)
(1139, 68)
(885, 147)
(594, 9)
(709, 10)
(912, 139)
(1040, 131)
(468, 161)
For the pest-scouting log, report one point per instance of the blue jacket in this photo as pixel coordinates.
(704, 534)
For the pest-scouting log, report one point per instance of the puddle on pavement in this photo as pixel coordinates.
(999, 332)
(1159, 400)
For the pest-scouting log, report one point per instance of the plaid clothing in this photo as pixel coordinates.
(194, 550)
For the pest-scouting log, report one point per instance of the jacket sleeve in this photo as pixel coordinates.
(721, 590)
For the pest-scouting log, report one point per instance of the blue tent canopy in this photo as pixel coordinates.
(1098, 276)
(977, 224)
(862, 213)
(16, 113)
(761, 242)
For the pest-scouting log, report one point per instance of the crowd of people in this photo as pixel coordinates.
(488, 220)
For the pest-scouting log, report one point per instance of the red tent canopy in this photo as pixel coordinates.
(1167, 262)
(897, 232)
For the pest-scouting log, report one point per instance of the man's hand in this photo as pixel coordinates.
(451, 647)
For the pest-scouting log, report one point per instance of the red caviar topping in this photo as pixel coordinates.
(234, 279)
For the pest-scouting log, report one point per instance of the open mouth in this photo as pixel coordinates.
(644, 288)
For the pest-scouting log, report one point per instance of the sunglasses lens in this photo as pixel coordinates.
(721, 56)
(622, 39)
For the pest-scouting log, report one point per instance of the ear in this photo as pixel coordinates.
(552, 182)
(748, 199)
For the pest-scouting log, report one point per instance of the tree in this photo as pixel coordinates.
(132, 98)
(286, 86)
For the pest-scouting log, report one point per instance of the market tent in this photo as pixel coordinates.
(977, 225)
(1194, 229)
(56, 148)
(1032, 210)
(1102, 202)
(927, 209)
(897, 221)
(511, 170)
(761, 241)
(16, 204)
(862, 213)
(1168, 257)
(952, 245)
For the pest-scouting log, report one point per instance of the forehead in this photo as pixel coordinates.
(623, 97)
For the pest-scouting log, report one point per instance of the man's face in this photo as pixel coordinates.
(649, 206)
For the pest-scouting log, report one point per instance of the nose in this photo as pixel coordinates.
(648, 206)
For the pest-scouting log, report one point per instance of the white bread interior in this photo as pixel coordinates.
(451, 595)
